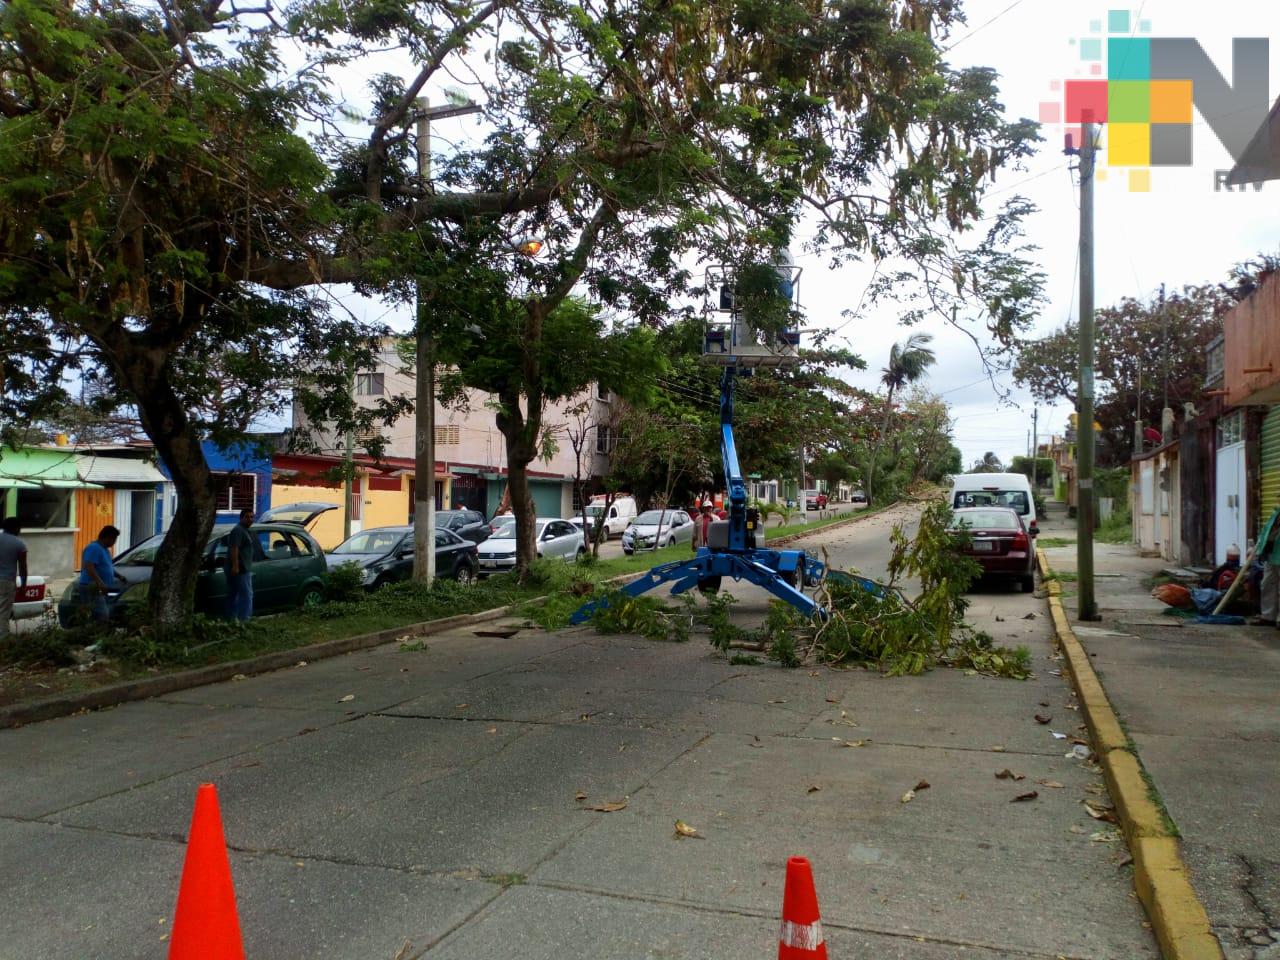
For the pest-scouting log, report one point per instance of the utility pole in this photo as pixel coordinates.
(348, 467)
(424, 509)
(1164, 348)
(800, 498)
(1087, 606)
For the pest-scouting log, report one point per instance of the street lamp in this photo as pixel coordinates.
(424, 508)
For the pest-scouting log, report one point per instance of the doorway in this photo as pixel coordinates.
(1229, 490)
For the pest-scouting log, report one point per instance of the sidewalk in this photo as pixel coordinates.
(1200, 704)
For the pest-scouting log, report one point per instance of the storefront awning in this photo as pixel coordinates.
(118, 470)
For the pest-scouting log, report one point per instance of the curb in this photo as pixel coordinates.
(1160, 876)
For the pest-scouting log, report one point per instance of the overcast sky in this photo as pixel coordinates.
(1181, 232)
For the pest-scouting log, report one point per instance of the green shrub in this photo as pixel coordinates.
(344, 582)
(44, 646)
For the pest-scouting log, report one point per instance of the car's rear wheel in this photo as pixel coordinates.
(311, 597)
(465, 575)
(1028, 583)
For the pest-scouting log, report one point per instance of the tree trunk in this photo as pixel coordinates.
(875, 451)
(173, 579)
(521, 433)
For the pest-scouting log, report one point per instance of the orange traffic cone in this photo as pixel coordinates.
(205, 926)
(801, 934)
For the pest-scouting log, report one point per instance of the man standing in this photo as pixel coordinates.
(13, 569)
(240, 551)
(702, 527)
(97, 573)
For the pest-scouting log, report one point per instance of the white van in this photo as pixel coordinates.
(621, 512)
(996, 490)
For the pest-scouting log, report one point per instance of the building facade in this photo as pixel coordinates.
(470, 451)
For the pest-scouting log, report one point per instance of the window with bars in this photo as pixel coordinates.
(371, 384)
(448, 434)
(235, 491)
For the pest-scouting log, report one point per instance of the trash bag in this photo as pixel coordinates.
(1206, 599)
(1174, 594)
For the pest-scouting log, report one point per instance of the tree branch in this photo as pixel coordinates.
(397, 114)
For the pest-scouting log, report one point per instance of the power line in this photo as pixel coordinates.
(977, 30)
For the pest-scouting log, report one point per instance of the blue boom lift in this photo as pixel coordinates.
(733, 550)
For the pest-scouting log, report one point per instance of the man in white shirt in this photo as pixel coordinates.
(13, 568)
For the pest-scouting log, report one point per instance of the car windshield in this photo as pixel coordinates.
(504, 528)
(371, 541)
(1017, 499)
(988, 519)
(144, 554)
(653, 517)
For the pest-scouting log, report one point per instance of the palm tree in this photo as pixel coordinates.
(908, 362)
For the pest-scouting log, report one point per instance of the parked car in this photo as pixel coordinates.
(620, 513)
(385, 555)
(657, 528)
(1000, 542)
(815, 499)
(554, 537)
(288, 572)
(33, 600)
(468, 524)
(858, 499)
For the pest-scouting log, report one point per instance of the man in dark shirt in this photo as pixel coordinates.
(240, 551)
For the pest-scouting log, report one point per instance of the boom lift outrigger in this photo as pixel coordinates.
(733, 550)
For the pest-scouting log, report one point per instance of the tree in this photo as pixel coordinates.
(571, 350)
(1138, 342)
(987, 463)
(148, 176)
(908, 362)
(162, 215)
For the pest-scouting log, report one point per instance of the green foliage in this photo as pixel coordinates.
(782, 648)
(868, 624)
(149, 647)
(744, 660)
(344, 582)
(647, 616)
(716, 617)
(45, 646)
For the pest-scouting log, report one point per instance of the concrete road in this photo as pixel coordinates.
(444, 811)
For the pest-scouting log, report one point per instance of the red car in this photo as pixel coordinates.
(1000, 542)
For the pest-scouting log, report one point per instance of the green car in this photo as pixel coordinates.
(288, 572)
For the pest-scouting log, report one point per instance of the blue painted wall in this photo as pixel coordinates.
(237, 458)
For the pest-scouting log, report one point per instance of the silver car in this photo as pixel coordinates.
(657, 528)
(554, 537)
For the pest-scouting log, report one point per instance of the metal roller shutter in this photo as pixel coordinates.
(1270, 463)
